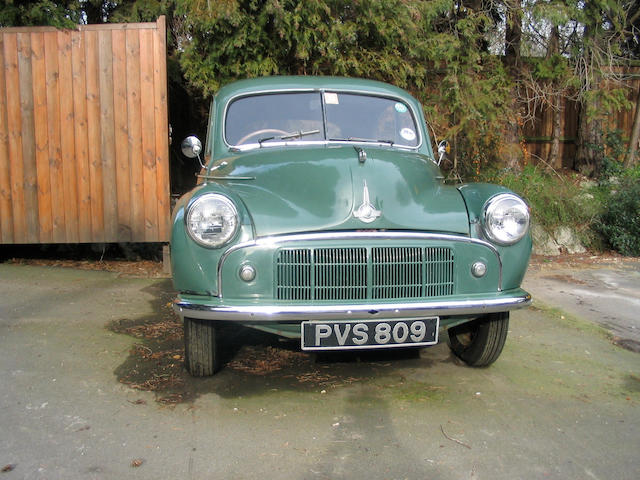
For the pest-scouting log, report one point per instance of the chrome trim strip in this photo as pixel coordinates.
(275, 313)
(275, 240)
(321, 143)
(230, 177)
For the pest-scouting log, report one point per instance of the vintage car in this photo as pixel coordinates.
(321, 214)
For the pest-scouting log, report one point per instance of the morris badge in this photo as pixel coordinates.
(366, 212)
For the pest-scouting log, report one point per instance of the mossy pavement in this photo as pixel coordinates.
(563, 401)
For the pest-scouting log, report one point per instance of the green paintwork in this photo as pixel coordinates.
(261, 289)
(515, 258)
(316, 188)
(302, 189)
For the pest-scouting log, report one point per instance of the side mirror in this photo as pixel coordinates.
(191, 146)
(444, 147)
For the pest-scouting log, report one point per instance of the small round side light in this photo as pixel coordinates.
(478, 269)
(247, 273)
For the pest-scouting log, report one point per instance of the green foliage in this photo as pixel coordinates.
(619, 193)
(554, 200)
(239, 39)
(140, 10)
(604, 214)
(551, 68)
(471, 101)
(430, 48)
(612, 153)
(620, 221)
(17, 13)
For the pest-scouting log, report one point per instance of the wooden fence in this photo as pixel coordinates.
(537, 133)
(84, 134)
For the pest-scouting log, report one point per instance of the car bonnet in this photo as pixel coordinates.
(329, 188)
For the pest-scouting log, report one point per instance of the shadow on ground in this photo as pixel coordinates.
(255, 361)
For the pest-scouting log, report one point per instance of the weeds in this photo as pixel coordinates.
(555, 200)
(604, 212)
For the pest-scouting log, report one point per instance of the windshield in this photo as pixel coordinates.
(319, 116)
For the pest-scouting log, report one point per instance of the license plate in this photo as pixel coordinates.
(349, 335)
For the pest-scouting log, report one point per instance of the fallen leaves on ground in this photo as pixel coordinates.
(136, 269)
(156, 363)
(261, 361)
(157, 382)
(170, 329)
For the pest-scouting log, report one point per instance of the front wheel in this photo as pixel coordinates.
(201, 350)
(479, 343)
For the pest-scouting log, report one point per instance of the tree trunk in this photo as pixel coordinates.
(513, 34)
(554, 160)
(589, 138)
(512, 42)
(631, 160)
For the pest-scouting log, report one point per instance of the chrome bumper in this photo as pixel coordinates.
(292, 313)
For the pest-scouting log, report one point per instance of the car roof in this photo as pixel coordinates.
(275, 83)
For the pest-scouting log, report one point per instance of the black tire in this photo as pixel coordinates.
(479, 343)
(201, 350)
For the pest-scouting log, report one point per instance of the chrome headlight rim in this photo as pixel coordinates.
(489, 210)
(198, 202)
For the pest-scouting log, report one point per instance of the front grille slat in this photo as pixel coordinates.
(360, 273)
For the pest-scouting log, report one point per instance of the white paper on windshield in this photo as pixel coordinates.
(331, 98)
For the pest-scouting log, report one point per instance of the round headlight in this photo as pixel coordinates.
(506, 218)
(212, 220)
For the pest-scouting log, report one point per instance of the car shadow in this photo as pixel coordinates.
(255, 362)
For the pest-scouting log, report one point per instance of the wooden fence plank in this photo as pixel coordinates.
(30, 186)
(94, 137)
(84, 134)
(14, 130)
(85, 28)
(53, 134)
(123, 173)
(67, 140)
(81, 142)
(38, 69)
(135, 133)
(6, 216)
(162, 129)
(148, 135)
(107, 137)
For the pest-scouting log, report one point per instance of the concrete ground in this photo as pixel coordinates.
(605, 291)
(562, 402)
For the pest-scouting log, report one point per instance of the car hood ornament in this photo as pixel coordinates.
(366, 212)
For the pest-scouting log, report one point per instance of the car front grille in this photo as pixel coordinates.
(364, 273)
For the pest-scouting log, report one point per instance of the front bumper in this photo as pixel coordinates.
(251, 313)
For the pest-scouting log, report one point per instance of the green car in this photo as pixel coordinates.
(322, 214)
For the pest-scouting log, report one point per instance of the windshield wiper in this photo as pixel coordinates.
(289, 136)
(358, 139)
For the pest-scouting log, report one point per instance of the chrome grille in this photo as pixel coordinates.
(396, 272)
(293, 271)
(362, 273)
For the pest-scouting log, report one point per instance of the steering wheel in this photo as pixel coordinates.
(261, 132)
